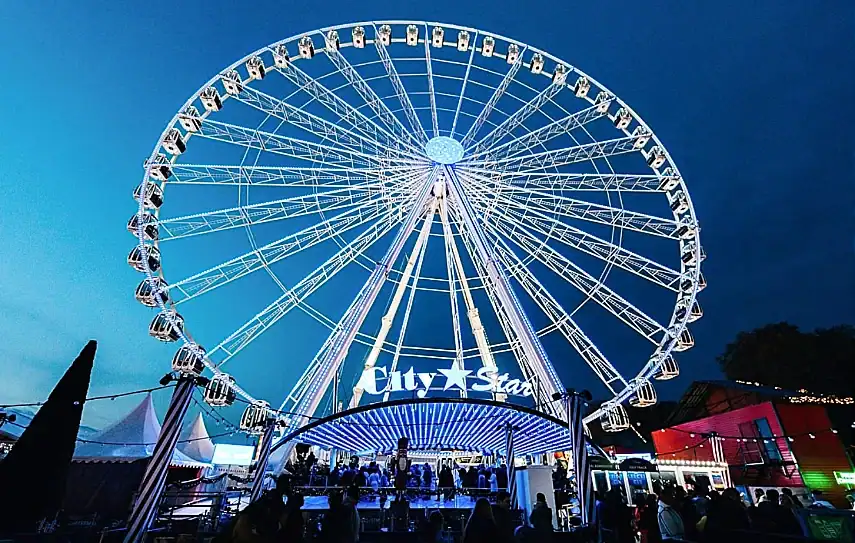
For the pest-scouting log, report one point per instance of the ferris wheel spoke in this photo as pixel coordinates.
(560, 319)
(560, 157)
(273, 252)
(583, 281)
(577, 209)
(494, 99)
(342, 109)
(374, 102)
(291, 147)
(465, 82)
(400, 91)
(518, 117)
(590, 244)
(294, 296)
(574, 182)
(431, 88)
(537, 138)
(271, 210)
(530, 371)
(277, 176)
(318, 126)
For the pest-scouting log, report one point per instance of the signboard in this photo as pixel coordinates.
(844, 477)
(232, 455)
(377, 380)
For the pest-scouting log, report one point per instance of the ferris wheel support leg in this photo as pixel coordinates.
(576, 426)
(263, 455)
(154, 480)
(530, 343)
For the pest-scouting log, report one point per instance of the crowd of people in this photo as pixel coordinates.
(418, 476)
(701, 514)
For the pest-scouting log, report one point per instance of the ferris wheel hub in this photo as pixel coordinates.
(444, 150)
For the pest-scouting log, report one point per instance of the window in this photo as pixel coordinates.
(770, 446)
(756, 450)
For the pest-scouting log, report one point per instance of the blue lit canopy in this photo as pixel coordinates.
(433, 424)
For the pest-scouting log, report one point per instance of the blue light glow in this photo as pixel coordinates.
(434, 424)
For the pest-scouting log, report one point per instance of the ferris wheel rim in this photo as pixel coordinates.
(694, 272)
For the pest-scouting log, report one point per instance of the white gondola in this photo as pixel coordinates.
(255, 417)
(685, 341)
(622, 119)
(641, 135)
(603, 101)
(686, 284)
(703, 253)
(189, 359)
(678, 202)
(582, 87)
(694, 312)
(656, 157)
(210, 98)
(152, 292)
(281, 57)
(688, 254)
(255, 68)
(669, 180)
(149, 225)
(559, 76)
(150, 193)
(162, 327)
(161, 168)
(189, 119)
(412, 35)
(333, 41)
(686, 231)
(513, 53)
(232, 82)
(614, 419)
(667, 370)
(488, 46)
(306, 47)
(384, 34)
(173, 142)
(463, 41)
(358, 34)
(219, 391)
(644, 395)
(437, 36)
(536, 65)
(139, 257)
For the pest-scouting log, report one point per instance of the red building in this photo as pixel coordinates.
(769, 437)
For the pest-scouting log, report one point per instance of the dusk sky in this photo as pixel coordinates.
(754, 101)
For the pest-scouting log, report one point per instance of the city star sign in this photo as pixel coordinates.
(377, 380)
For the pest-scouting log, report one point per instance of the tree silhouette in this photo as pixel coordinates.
(782, 355)
(32, 476)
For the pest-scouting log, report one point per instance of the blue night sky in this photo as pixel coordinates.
(752, 99)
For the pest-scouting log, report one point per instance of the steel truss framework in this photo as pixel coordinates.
(554, 166)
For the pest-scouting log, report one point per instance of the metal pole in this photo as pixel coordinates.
(264, 442)
(584, 487)
(154, 479)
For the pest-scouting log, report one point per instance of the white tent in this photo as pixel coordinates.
(131, 438)
(195, 441)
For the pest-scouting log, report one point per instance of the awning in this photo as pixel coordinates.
(436, 424)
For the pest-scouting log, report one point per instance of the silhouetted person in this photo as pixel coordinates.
(502, 515)
(541, 519)
(670, 521)
(724, 514)
(481, 527)
(648, 522)
(434, 531)
(293, 528)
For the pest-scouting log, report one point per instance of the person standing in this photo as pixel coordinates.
(351, 514)
(481, 526)
(541, 519)
(494, 481)
(502, 515)
(670, 521)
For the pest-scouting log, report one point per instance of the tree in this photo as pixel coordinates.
(32, 476)
(782, 355)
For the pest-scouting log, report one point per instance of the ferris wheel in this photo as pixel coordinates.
(426, 160)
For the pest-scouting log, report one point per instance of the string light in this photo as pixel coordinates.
(92, 398)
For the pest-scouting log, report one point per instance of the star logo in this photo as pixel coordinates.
(455, 376)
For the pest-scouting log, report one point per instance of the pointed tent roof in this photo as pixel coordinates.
(139, 429)
(197, 443)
